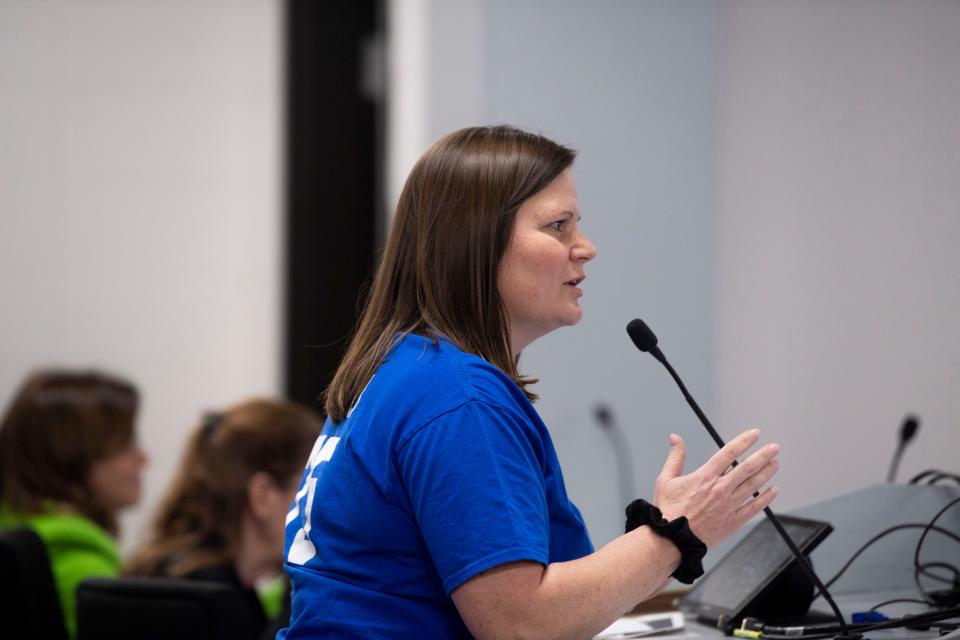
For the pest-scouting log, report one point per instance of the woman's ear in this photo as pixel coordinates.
(262, 495)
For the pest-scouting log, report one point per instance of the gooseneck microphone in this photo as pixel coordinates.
(907, 432)
(646, 341)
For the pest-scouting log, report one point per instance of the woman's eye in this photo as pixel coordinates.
(558, 225)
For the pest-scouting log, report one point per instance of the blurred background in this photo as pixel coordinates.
(192, 194)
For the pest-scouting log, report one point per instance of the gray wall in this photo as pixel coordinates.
(140, 205)
(838, 269)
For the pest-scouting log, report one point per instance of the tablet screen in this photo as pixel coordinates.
(740, 576)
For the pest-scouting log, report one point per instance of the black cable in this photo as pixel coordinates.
(918, 567)
(920, 476)
(904, 621)
(912, 525)
(932, 476)
(923, 570)
(895, 601)
(937, 598)
(917, 619)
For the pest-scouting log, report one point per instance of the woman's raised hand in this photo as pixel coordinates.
(717, 499)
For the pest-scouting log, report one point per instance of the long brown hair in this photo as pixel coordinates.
(59, 424)
(439, 270)
(198, 523)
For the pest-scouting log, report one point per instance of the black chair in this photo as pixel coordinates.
(158, 608)
(29, 604)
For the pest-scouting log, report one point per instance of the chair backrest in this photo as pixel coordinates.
(29, 604)
(158, 608)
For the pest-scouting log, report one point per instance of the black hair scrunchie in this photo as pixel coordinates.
(692, 549)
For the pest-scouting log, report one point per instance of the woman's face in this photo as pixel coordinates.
(268, 504)
(115, 479)
(542, 268)
(280, 504)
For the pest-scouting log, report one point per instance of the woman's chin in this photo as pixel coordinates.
(575, 316)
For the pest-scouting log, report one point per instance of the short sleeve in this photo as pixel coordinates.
(476, 487)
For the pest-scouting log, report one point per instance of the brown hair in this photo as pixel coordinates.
(439, 270)
(59, 424)
(198, 523)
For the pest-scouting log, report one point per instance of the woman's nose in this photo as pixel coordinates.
(584, 250)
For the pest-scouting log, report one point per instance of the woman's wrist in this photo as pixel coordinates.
(692, 549)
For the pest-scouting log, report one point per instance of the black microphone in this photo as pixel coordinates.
(621, 451)
(645, 340)
(907, 431)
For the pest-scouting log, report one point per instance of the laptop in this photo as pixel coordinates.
(759, 577)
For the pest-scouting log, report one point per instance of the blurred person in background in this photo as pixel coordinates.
(69, 463)
(222, 519)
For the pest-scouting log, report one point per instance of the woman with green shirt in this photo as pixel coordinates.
(69, 462)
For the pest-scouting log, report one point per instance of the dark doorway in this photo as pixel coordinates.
(333, 119)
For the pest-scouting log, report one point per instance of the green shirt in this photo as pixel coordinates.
(78, 549)
(271, 595)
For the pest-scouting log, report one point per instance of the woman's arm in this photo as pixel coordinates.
(579, 598)
(573, 599)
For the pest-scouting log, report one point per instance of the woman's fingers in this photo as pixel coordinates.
(717, 499)
(755, 506)
(722, 459)
(753, 483)
(752, 465)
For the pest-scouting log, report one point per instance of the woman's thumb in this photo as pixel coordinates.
(673, 467)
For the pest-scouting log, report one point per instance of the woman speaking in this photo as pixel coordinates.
(433, 504)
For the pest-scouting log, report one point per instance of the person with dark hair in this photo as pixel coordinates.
(222, 519)
(433, 504)
(69, 462)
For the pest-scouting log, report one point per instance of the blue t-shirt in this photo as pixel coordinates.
(441, 470)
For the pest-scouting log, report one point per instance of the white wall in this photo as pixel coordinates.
(773, 186)
(140, 214)
(838, 269)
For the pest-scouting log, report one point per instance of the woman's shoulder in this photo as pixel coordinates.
(64, 531)
(77, 547)
(423, 379)
(58, 522)
(440, 362)
(436, 373)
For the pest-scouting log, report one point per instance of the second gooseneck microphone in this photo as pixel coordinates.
(645, 340)
(621, 450)
(907, 432)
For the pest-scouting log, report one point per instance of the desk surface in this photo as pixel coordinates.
(848, 603)
(696, 630)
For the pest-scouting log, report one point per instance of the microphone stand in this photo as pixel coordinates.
(621, 451)
(652, 349)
